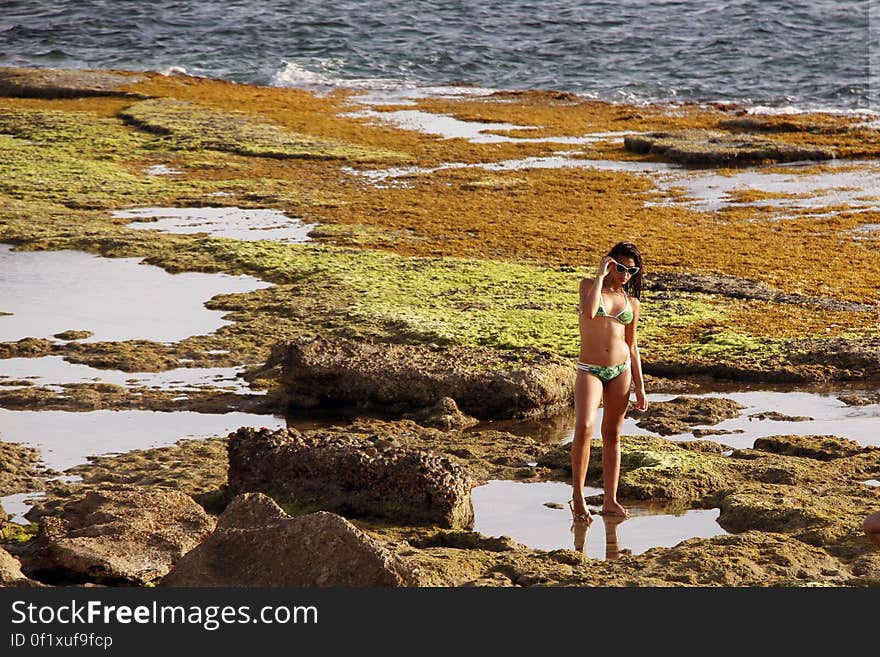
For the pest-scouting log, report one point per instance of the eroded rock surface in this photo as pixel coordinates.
(10, 572)
(679, 415)
(351, 475)
(745, 288)
(63, 83)
(116, 536)
(445, 414)
(257, 544)
(20, 470)
(485, 383)
(822, 448)
(715, 148)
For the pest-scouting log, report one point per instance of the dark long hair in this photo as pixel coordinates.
(633, 286)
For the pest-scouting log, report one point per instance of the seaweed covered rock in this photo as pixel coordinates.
(485, 383)
(350, 475)
(63, 83)
(715, 148)
(653, 468)
(271, 548)
(822, 448)
(194, 127)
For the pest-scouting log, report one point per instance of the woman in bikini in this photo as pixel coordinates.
(608, 365)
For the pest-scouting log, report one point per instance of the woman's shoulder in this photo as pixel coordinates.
(585, 282)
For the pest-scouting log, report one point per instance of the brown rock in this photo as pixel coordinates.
(714, 148)
(779, 417)
(350, 475)
(485, 383)
(10, 572)
(61, 83)
(25, 348)
(445, 415)
(20, 470)
(745, 288)
(257, 544)
(117, 536)
(822, 448)
(680, 414)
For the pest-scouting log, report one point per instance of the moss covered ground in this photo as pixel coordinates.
(454, 256)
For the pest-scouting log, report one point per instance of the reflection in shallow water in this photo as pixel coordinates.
(66, 439)
(830, 416)
(841, 183)
(237, 223)
(115, 298)
(53, 372)
(517, 509)
(17, 505)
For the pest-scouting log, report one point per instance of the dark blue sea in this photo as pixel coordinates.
(777, 53)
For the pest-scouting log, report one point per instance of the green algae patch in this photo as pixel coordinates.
(12, 533)
(651, 469)
(81, 131)
(188, 126)
(441, 300)
(716, 343)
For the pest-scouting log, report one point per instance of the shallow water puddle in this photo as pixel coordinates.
(855, 184)
(53, 372)
(161, 170)
(49, 292)
(17, 505)
(66, 439)
(476, 132)
(830, 416)
(872, 482)
(517, 509)
(561, 161)
(236, 223)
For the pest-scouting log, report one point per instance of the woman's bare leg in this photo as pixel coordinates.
(587, 395)
(616, 401)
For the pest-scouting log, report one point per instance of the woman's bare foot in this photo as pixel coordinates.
(614, 509)
(579, 512)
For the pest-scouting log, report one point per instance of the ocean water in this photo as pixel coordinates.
(774, 53)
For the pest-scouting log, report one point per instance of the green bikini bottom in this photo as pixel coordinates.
(604, 373)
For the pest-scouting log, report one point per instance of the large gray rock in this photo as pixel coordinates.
(350, 475)
(485, 383)
(117, 536)
(257, 544)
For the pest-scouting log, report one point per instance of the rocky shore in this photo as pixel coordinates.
(420, 308)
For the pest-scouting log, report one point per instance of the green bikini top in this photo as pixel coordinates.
(625, 316)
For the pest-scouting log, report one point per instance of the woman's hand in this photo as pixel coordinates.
(641, 400)
(604, 266)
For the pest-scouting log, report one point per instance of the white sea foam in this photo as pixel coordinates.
(791, 109)
(324, 75)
